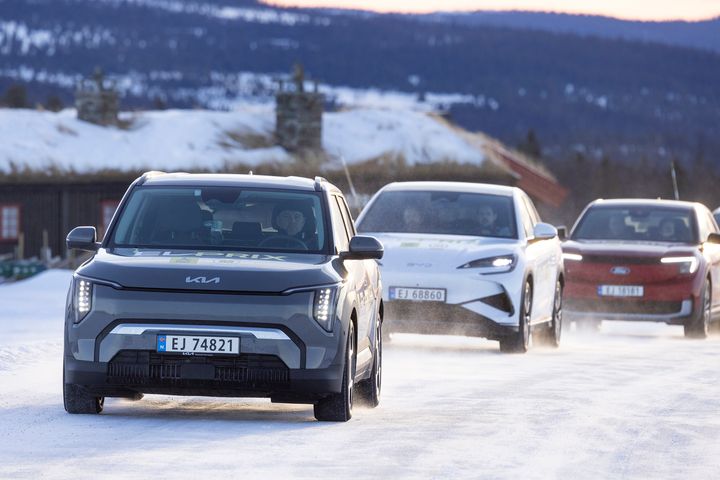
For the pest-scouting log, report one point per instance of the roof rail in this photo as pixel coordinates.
(318, 183)
(149, 174)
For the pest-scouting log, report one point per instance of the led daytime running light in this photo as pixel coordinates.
(692, 263)
(83, 298)
(575, 257)
(501, 262)
(324, 307)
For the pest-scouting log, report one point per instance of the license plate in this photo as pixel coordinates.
(198, 344)
(620, 290)
(417, 294)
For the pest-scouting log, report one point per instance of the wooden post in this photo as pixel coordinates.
(45, 252)
(21, 246)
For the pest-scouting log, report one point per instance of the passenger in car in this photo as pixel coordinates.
(618, 229)
(413, 219)
(487, 218)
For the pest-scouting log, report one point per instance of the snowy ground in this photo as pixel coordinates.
(635, 401)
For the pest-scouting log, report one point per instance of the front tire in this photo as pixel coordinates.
(550, 337)
(520, 341)
(78, 401)
(369, 390)
(698, 325)
(337, 407)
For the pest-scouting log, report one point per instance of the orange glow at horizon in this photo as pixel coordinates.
(648, 10)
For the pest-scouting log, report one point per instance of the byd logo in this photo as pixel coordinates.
(203, 280)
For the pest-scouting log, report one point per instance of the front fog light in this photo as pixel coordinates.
(324, 307)
(83, 298)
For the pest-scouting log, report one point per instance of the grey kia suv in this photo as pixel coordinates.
(226, 285)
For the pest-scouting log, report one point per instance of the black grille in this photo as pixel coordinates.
(139, 367)
(623, 306)
(621, 260)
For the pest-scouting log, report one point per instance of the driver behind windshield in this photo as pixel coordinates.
(296, 221)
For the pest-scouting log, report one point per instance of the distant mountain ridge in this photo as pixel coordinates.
(703, 34)
(582, 94)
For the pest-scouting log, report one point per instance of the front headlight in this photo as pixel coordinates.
(575, 257)
(686, 265)
(497, 264)
(82, 297)
(324, 307)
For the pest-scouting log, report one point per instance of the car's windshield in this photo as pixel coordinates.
(221, 218)
(642, 223)
(454, 213)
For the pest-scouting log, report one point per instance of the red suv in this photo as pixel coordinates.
(645, 260)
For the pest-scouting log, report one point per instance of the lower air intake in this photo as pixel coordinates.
(139, 367)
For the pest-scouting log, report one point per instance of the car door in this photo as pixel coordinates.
(545, 260)
(365, 284)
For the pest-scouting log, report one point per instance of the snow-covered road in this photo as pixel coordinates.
(635, 401)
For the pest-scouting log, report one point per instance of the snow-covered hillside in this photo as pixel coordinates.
(637, 401)
(201, 139)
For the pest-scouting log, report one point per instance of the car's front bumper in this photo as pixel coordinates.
(674, 313)
(284, 353)
(247, 375)
(475, 304)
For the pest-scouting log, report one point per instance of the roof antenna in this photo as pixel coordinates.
(674, 180)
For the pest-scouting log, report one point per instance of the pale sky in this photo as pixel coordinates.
(628, 9)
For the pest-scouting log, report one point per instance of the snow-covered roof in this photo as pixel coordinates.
(201, 139)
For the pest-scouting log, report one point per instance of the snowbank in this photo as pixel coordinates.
(33, 309)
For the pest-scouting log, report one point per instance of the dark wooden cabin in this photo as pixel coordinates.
(32, 213)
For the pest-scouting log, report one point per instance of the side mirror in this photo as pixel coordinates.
(363, 248)
(83, 238)
(713, 238)
(544, 231)
(561, 232)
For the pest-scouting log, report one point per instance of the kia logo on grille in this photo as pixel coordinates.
(215, 280)
(619, 270)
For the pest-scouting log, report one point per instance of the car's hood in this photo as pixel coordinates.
(423, 252)
(211, 270)
(616, 248)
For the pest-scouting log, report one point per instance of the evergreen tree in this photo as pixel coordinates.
(159, 104)
(531, 145)
(54, 103)
(16, 97)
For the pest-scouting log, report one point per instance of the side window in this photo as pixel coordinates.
(525, 218)
(534, 216)
(347, 217)
(705, 225)
(711, 222)
(340, 236)
(9, 222)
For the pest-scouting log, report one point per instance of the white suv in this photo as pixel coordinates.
(469, 259)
